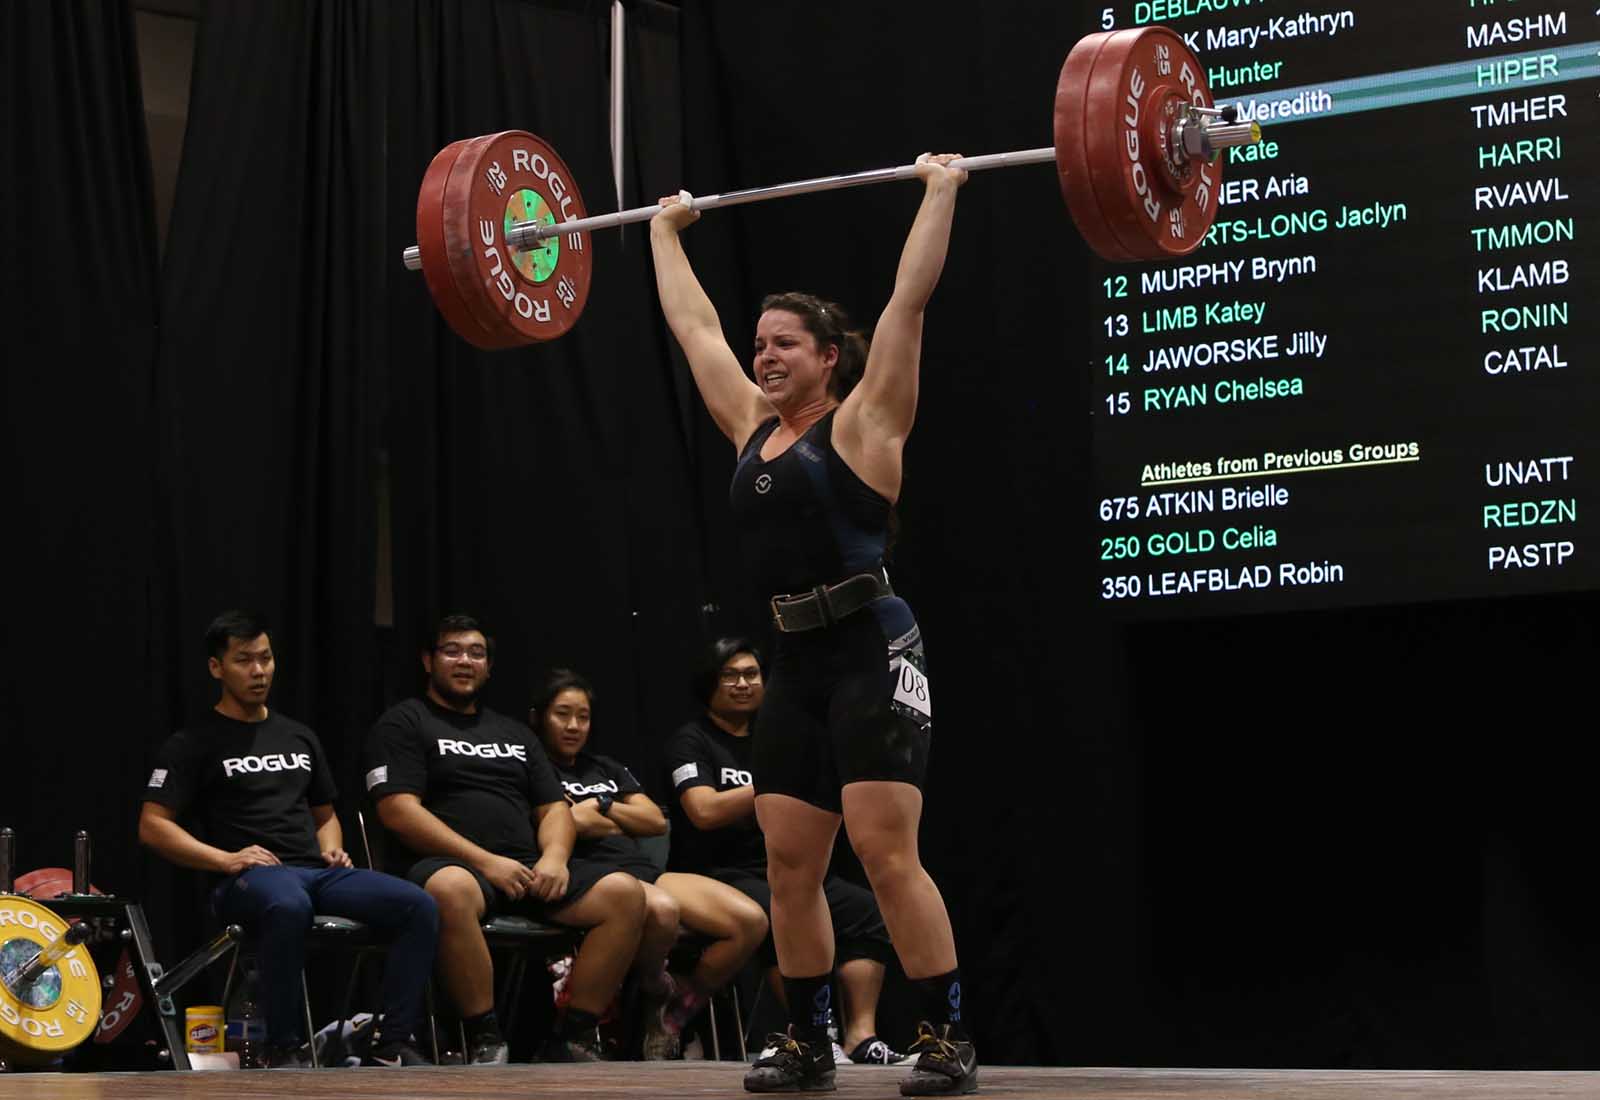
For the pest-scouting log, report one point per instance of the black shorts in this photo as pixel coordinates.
(843, 704)
(858, 928)
(582, 874)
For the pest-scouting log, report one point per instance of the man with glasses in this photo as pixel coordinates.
(715, 834)
(484, 828)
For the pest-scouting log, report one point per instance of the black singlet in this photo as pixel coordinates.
(806, 518)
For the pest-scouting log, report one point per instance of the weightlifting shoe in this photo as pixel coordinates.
(945, 1066)
(793, 1066)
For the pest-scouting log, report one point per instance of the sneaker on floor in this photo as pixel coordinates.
(291, 1057)
(661, 1041)
(580, 1047)
(793, 1066)
(945, 1066)
(873, 1051)
(394, 1055)
(489, 1049)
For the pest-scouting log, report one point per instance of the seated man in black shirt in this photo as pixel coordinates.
(259, 782)
(461, 787)
(715, 834)
(610, 809)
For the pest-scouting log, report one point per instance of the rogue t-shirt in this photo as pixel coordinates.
(701, 754)
(481, 774)
(248, 782)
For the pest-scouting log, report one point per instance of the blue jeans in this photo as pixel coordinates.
(275, 905)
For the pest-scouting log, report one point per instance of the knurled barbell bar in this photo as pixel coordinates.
(502, 230)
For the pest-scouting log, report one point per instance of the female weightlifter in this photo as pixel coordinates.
(846, 722)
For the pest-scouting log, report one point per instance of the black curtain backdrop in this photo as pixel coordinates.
(85, 641)
(274, 341)
(1353, 838)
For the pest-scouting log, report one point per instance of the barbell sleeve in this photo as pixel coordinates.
(44, 960)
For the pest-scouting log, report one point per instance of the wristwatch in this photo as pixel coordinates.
(604, 801)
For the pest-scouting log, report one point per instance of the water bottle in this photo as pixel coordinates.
(248, 1025)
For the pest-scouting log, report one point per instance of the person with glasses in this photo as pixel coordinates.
(258, 785)
(819, 424)
(484, 827)
(611, 809)
(715, 834)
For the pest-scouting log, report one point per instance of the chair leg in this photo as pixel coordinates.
(755, 1006)
(738, 1020)
(517, 972)
(311, 1027)
(433, 1021)
(711, 1021)
(349, 1003)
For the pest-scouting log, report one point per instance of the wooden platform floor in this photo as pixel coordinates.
(636, 1081)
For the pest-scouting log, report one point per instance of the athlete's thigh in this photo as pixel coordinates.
(880, 719)
(793, 754)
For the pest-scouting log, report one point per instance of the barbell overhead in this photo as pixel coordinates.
(502, 236)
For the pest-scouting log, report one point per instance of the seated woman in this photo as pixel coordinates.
(610, 809)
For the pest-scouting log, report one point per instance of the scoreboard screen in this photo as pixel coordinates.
(1378, 378)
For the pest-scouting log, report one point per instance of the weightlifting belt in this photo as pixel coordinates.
(826, 604)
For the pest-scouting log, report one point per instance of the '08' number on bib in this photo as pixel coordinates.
(911, 688)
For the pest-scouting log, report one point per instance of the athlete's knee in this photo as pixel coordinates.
(888, 857)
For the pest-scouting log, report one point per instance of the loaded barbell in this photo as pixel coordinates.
(502, 228)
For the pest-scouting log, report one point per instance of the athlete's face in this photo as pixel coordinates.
(245, 670)
(739, 687)
(788, 365)
(564, 727)
(458, 667)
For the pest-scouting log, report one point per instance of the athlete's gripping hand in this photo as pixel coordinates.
(676, 213)
(934, 168)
